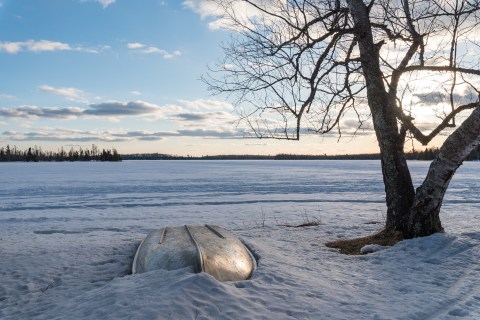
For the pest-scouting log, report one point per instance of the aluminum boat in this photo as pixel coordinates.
(205, 248)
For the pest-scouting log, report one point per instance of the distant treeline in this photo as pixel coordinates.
(36, 154)
(430, 154)
(162, 156)
(427, 154)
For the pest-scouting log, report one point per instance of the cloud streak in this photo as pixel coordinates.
(207, 104)
(34, 112)
(143, 48)
(202, 116)
(203, 8)
(104, 3)
(439, 97)
(71, 94)
(62, 134)
(106, 109)
(201, 113)
(135, 45)
(33, 46)
(208, 9)
(38, 46)
(195, 119)
(74, 135)
(119, 109)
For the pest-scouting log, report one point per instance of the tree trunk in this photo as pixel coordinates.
(412, 214)
(424, 217)
(396, 175)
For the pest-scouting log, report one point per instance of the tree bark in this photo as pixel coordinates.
(424, 216)
(396, 175)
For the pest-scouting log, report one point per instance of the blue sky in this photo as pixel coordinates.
(123, 74)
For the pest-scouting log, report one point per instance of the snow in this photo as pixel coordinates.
(370, 248)
(69, 231)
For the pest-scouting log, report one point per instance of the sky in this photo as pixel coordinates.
(125, 74)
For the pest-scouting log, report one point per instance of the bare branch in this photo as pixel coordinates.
(425, 139)
(440, 69)
(300, 60)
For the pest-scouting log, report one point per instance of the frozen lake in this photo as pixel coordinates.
(68, 232)
(160, 184)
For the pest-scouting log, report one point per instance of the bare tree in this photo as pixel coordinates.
(299, 67)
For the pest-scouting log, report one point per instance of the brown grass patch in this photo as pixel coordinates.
(353, 246)
(301, 225)
(373, 222)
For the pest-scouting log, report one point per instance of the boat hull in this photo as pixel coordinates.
(204, 248)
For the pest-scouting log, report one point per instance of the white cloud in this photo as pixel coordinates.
(153, 50)
(211, 118)
(142, 48)
(175, 53)
(67, 134)
(197, 118)
(135, 93)
(205, 115)
(95, 50)
(111, 110)
(164, 53)
(62, 134)
(209, 9)
(11, 47)
(119, 109)
(203, 8)
(71, 94)
(35, 112)
(207, 104)
(45, 46)
(135, 45)
(104, 3)
(33, 46)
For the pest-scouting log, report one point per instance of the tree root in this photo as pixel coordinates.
(353, 246)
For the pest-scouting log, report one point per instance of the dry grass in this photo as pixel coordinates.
(353, 246)
(305, 224)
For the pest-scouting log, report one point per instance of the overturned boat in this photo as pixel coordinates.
(206, 248)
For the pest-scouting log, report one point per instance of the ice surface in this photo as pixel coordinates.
(69, 231)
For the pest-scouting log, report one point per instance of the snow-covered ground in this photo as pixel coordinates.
(68, 233)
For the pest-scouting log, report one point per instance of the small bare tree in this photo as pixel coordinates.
(300, 66)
